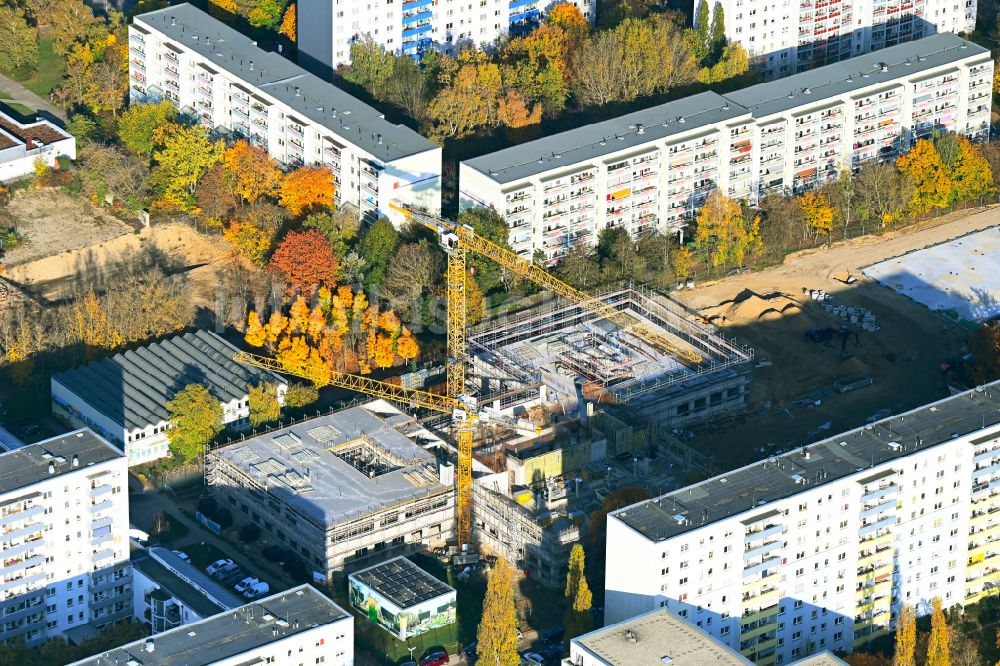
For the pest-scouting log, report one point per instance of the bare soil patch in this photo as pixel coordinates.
(53, 221)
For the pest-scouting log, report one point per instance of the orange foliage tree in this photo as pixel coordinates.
(305, 260)
(568, 16)
(307, 189)
(339, 329)
(250, 172)
(289, 23)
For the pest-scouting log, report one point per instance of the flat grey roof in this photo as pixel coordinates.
(843, 455)
(229, 634)
(402, 582)
(132, 388)
(174, 584)
(592, 142)
(30, 464)
(657, 635)
(296, 464)
(342, 114)
(862, 71)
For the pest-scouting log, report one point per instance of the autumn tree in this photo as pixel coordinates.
(970, 172)
(906, 637)
(305, 260)
(18, 43)
(579, 268)
(717, 38)
(931, 184)
(250, 172)
(570, 19)
(702, 44)
(254, 231)
(406, 346)
(937, 644)
(109, 171)
(289, 23)
(69, 22)
(138, 125)
(340, 227)
(307, 189)
(681, 260)
(299, 395)
(578, 596)
(598, 525)
(469, 98)
(817, 214)
(184, 154)
(723, 236)
(195, 420)
(475, 302)
(496, 643)
(264, 405)
(883, 193)
(413, 270)
(637, 58)
(215, 201)
(376, 247)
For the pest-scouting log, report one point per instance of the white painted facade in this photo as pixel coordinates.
(823, 563)
(64, 550)
(220, 78)
(653, 169)
(327, 28)
(22, 145)
(789, 36)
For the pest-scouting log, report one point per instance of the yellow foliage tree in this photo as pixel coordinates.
(906, 637)
(406, 346)
(253, 242)
(970, 174)
(937, 644)
(931, 184)
(251, 172)
(184, 156)
(722, 234)
(817, 213)
(384, 356)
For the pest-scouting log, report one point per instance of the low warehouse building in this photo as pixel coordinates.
(402, 598)
(124, 398)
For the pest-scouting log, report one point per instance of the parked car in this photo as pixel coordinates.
(182, 556)
(249, 581)
(257, 590)
(435, 659)
(226, 570)
(553, 654)
(216, 565)
(553, 636)
(532, 659)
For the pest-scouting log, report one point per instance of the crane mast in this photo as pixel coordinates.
(458, 241)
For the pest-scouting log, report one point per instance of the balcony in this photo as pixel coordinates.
(98, 507)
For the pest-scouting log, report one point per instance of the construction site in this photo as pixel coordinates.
(548, 410)
(576, 357)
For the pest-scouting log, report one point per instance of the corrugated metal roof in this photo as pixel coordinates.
(132, 388)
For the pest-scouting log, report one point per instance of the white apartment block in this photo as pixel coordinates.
(222, 79)
(789, 36)
(652, 169)
(298, 627)
(64, 550)
(818, 548)
(327, 28)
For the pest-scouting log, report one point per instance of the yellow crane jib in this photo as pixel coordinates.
(520, 266)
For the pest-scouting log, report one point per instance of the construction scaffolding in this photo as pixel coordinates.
(575, 354)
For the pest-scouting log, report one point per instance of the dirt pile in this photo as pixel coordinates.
(750, 307)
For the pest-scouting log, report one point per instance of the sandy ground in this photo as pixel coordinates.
(52, 221)
(903, 356)
(202, 259)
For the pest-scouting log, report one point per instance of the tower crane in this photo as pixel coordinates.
(458, 241)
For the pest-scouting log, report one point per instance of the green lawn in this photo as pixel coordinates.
(49, 73)
(14, 106)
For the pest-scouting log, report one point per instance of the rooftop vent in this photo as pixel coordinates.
(639, 129)
(807, 91)
(679, 518)
(150, 645)
(173, 20)
(52, 468)
(630, 636)
(251, 65)
(895, 446)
